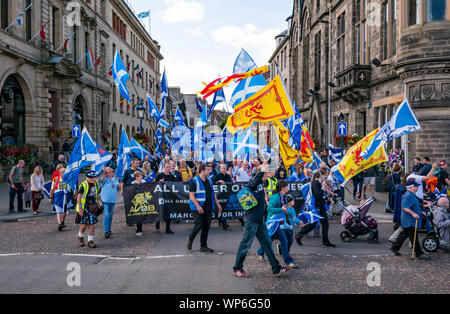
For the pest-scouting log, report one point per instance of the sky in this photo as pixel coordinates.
(200, 39)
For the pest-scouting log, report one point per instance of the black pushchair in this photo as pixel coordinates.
(357, 223)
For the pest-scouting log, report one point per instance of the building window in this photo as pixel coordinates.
(340, 64)
(361, 32)
(28, 20)
(55, 28)
(4, 13)
(317, 54)
(305, 75)
(389, 28)
(86, 47)
(436, 10)
(414, 12)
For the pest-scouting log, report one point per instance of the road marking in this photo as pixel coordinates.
(15, 254)
(168, 256)
(85, 255)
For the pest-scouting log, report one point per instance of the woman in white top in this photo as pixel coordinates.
(37, 185)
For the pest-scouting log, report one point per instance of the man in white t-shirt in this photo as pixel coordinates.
(243, 174)
(419, 179)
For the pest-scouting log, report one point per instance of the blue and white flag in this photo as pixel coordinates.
(179, 117)
(120, 76)
(294, 176)
(335, 153)
(152, 108)
(123, 159)
(274, 222)
(84, 153)
(47, 188)
(103, 159)
(244, 146)
(199, 105)
(143, 15)
(164, 95)
(181, 136)
(138, 149)
(248, 87)
(198, 144)
(308, 196)
(294, 124)
(163, 123)
(309, 217)
(219, 97)
(402, 122)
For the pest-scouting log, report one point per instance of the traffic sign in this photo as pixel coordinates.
(342, 129)
(76, 130)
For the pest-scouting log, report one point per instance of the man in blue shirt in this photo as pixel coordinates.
(411, 212)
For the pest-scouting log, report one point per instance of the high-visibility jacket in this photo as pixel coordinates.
(85, 185)
(272, 186)
(200, 194)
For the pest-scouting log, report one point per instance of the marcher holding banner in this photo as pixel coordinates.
(255, 226)
(166, 176)
(88, 203)
(202, 201)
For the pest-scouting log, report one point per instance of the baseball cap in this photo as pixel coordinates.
(411, 183)
(443, 162)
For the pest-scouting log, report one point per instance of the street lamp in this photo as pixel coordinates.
(140, 112)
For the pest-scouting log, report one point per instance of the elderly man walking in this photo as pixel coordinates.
(410, 219)
(16, 187)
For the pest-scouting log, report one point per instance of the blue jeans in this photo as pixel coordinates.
(12, 196)
(285, 245)
(108, 211)
(252, 229)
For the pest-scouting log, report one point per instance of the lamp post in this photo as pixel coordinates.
(341, 119)
(140, 112)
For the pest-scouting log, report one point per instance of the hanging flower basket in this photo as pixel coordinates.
(54, 132)
(11, 154)
(142, 138)
(395, 156)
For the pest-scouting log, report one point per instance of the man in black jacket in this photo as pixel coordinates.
(255, 226)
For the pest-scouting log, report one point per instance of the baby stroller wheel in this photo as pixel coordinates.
(430, 243)
(346, 236)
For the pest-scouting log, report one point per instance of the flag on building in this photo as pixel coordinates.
(143, 15)
(271, 103)
(352, 163)
(65, 47)
(90, 57)
(403, 122)
(42, 31)
(97, 63)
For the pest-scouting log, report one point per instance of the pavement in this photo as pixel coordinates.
(36, 258)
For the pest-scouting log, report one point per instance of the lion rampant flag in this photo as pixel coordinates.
(288, 154)
(353, 163)
(271, 103)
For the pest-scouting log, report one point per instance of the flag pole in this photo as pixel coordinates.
(73, 33)
(26, 9)
(35, 35)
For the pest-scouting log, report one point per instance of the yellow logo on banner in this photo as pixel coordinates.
(141, 206)
(271, 103)
(353, 163)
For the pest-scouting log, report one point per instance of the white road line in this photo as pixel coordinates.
(85, 255)
(168, 256)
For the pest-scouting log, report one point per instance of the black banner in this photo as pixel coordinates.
(150, 202)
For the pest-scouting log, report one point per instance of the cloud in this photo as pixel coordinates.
(259, 41)
(194, 32)
(183, 11)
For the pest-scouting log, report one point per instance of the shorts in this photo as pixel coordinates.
(369, 180)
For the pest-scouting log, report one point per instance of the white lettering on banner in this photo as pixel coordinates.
(235, 188)
(186, 188)
(157, 188)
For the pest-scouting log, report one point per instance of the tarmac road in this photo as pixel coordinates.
(34, 259)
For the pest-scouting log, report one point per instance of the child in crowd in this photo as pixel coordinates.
(27, 192)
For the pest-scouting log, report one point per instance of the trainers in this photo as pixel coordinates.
(206, 250)
(240, 273)
(292, 265)
(107, 235)
(139, 234)
(81, 241)
(260, 258)
(283, 271)
(91, 244)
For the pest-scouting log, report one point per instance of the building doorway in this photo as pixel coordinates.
(12, 113)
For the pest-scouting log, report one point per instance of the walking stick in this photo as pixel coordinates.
(414, 242)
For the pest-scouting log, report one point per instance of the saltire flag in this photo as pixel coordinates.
(294, 176)
(123, 159)
(143, 15)
(163, 123)
(103, 159)
(248, 87)
(309, 217)
(90, 57)
(199, 105)
(308, 196)
(181, 136)
(352, 163)
(152, 108)
(179, 117)
(198, 146)
(335, 153)
(47, 188)
(219, 97)
(159, 141)
(138, 149)
(220, 83)
(288, 154)
(120, 76)
(61, 198)
(274, 222)
(294, 125)
(244, 145)
(269, 104)
(84, 153)
(164, 94)
(402, 122)
(150, 178)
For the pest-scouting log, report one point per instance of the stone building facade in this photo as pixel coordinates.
(43, 86)
(381, 50)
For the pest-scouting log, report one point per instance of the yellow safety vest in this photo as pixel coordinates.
(272, 186)
(85, 186)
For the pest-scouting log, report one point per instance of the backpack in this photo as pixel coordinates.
(432, 183)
